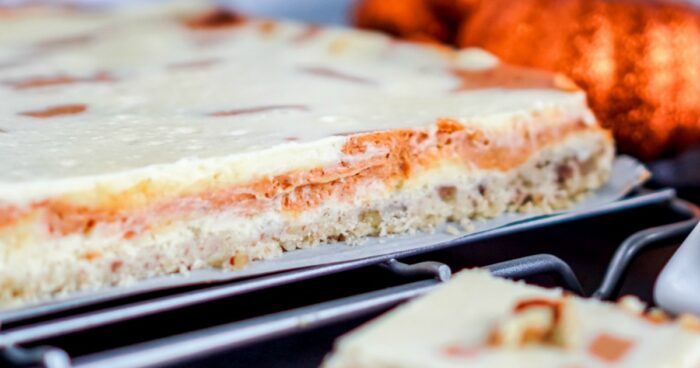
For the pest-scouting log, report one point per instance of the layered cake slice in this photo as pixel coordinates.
(141, 142)
(477, 320)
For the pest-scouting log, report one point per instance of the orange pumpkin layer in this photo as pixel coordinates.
(301, 190)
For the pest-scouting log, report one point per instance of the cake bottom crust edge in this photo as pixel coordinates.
(554, 178)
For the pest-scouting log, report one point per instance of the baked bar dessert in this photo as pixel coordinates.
(140, 142)
(477, 320)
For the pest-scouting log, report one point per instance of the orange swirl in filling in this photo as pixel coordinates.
(402, 152)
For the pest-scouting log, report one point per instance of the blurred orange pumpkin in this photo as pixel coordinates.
(639, 60)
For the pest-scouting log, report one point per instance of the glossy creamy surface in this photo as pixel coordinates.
(157, 95)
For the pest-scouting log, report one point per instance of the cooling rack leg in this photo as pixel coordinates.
(536, 265)
(47, 357)
(644, 240)
(437, 270)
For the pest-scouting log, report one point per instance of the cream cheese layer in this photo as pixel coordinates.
(101, 101)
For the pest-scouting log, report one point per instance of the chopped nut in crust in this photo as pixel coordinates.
(448, 193)
(239, 260)
(374, 219)
(450, 229)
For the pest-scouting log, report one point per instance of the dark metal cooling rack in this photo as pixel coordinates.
(24, 331)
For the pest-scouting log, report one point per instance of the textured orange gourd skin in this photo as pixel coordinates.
(410, 19)
(638, 60)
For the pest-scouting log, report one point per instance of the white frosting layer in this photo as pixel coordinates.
(153, 119)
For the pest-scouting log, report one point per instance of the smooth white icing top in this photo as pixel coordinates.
(165, 81)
